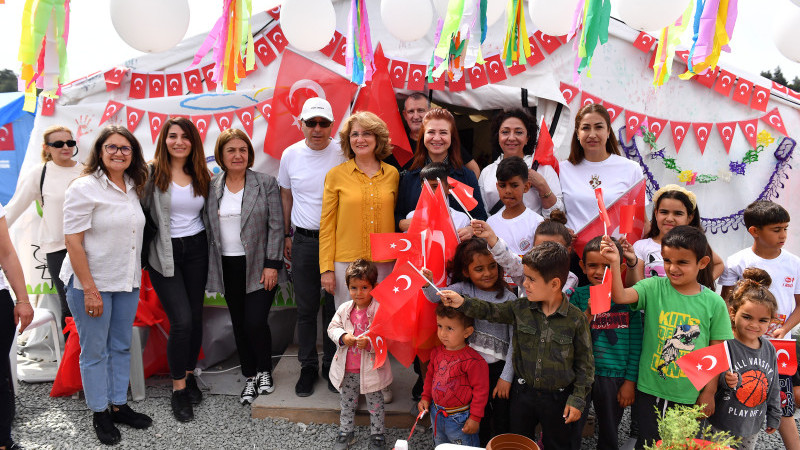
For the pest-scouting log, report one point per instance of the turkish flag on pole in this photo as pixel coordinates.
(464, 192)
(377, 96)
(544, 148)
(398, 287)
(786, 351)
(601, 206)
(379, 345)
(627, 213)
(433, 214)
(600, 295)
(702, 366)
(298, 80)
(596, 227)
(396, 245)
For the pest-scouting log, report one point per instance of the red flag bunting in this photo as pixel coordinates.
(7, 137)
(112, 108)
(276, 37)
(549, 43)
(208, 75)
(633, 121)
(194, 81)
(477, 76)
(634, 196)
(133, 117)
(138, 85)
(332, 44)
(760, 98)
(174, 84)
(780, 88)
(537, 55)
(464, 192)
(494, 69)
(569, 92)
(201, 122)
(48, 106)
(275, 12)
(684, 56)
(614, 111)
(600, 295)
(702, 131)
(743, 91)
(656, 126)
(398, 70)
(416, 77)
(156, 82)
(543, 152)
(340, 54)
(246, 118)
(265, 108)
(114, 77)
(224, 120)
(156, 122)
(726, 130)
(725, 81)
(587, 99)
(703, 365)
(786, 351)
(264, 52)
(773, 119)
(750, 130)
(707, 79)
(515, 68)
(438, 83)
(679, 130)
(644, 42)
(457, 85)
(407, 246)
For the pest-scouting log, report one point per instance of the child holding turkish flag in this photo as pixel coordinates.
(750, 391)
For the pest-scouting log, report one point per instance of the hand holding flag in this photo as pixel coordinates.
(601, 205)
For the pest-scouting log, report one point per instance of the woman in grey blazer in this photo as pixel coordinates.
(245, 234)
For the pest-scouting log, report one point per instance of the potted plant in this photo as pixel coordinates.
(680, 426)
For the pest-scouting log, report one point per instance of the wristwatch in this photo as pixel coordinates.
(289, 234)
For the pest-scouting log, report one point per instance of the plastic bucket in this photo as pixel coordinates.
(511, 441)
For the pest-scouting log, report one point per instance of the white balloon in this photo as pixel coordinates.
(495, 10)
(407, 20)
(552, 17)
(786, 33)
(650, 15)
(308, 24)
(150, 25)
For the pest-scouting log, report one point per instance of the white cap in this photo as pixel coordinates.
(316, 107)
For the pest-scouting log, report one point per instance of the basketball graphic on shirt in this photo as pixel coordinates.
(753, 391)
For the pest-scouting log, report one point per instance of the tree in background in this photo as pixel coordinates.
(8, 81)
(778, 77)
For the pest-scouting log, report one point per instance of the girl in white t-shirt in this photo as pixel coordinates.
(673, 206)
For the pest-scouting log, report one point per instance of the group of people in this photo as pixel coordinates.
(542, 355)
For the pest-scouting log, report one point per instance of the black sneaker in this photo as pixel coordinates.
(377, 442)
(125, 415)
(249, 393)
(104, 427)
(182, 405)
(264, 382)
(195, 394)
(344, 440)
(305, 385)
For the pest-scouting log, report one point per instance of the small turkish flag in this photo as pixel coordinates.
(174, 84)
(588, 99)
(275, 12)
(656, 126)
(725, 81)
(379, 345)
(201, 122)
(156, 82)
(7, 137)
(385, 246)
(707, 79)
(332, 44)
(613, 110)
(477, 76)
(340, 54)
(780, 88)
(644, 42)
(494, 69)
(786, 351)
(112, 108)
(760, 98)
(438, 83)
(543, 152)
(138, 85)
(515, 68)
(194, 81)
(601, 206)
(684, 56)
(156, 122)
(48, 106)
(600, 295)
(549, 43)
(633, 121)
(208, 75)
(458, 85)
(114, 77)
(702, 130)
(275, 35)
(265, 108)
(537, 55)
(750, 130)
(743, 91)
(264, 52)
(569, 92)
(773, 119)
(726, 130)
(397, 72)
(224, 120)
(464, 193)
(416, 77)
(597, 226)
(705, 364)
(627, 215)
(679, 130)
(246, 118)
(404, 282)
(133, 117)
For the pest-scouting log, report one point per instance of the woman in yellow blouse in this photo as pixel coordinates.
(358, 199)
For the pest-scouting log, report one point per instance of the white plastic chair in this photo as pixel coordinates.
(41, 316)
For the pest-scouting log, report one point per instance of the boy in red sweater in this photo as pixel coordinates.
(457, 381)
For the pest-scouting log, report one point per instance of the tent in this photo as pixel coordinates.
(710, 119)
(15, 132)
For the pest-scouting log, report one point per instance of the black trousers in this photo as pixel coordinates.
(607, 411)
(54, 262)
(496, 418)
(249, 315)
(534, 407)
(7, 332)
(182, 297)
(644, 408)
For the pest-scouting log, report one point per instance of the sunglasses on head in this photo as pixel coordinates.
(60, 144)
(314, 123)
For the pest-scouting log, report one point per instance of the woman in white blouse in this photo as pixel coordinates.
(103, 223)
(178, 257)
(47, 183)
(514, 133)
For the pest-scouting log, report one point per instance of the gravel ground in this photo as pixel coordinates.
(220, 422)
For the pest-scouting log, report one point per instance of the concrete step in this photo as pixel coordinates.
(323, 405)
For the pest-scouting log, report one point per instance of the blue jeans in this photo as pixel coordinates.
(448, 428)
(105, 346)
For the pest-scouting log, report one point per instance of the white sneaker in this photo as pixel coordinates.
(264, 382)
(387, 394)
(249, 392)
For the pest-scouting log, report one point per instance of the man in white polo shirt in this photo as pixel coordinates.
(301, 175)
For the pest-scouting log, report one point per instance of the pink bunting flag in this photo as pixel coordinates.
(202, 122)
(702, 130)
(114, 77)
(679, 130)
(132, 117)
(156, 82)
(588, 99)
(633, 121)
(724, 83)
(397, 72)
(726, 130)
(194, 81)
(760, 98)
(112, 108)
(743, 91)
(773, 119)
(656, 126)
(569, 92)
(750, 130)
(477, 76)
(224, 120)
(174, 84)
(138, 85)
(156, 122)
(614, 111)
(246, 118)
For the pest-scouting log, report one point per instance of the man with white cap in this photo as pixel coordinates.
(302, 169)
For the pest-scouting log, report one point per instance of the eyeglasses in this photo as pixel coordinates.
(60, 144)
(314, 123)
(363, 134)
(112, 149)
